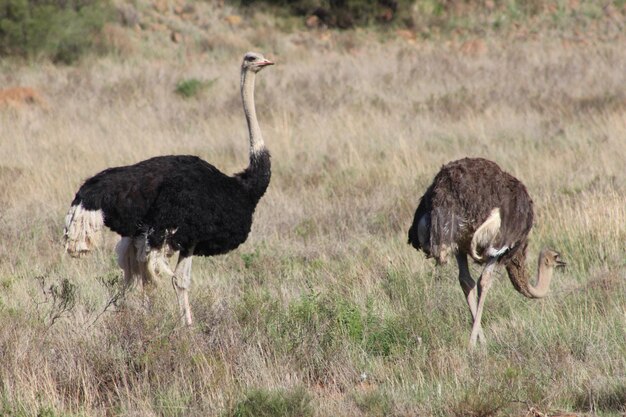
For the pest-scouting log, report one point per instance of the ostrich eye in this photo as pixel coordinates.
(250, 58)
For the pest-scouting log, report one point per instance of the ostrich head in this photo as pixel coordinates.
(551, 259)
(255, 62)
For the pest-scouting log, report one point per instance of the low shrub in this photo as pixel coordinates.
(60, 30)
(191, 87)
(278, 403)
(344, 13)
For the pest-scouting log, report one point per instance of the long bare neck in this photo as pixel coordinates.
(521, 280)
(256, 177)
(247, 95)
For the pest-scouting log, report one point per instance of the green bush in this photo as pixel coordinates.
(326, 321)
(190, 88)
(374, 403)
(426, 15)
(61, 30)
(344, 13)
(279, 403)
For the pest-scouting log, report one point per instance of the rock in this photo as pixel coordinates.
(176, 37)
(233, 20)
(129, 16)
(312, 22)
(386, 15)
(474, 47)
(158, 27)
(161, 6)
(407, 35)
(18, 96)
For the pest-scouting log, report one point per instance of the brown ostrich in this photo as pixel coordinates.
(474, 208)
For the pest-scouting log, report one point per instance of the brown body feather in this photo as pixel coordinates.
(461, 198)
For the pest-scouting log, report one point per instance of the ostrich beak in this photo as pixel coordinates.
(264, 63)
(560, 263)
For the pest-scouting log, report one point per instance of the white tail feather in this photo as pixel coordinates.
(82, 229)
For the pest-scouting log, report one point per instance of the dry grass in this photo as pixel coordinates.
(324, 310)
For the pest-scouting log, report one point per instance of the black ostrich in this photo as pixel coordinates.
(474, 208)
(173, 203)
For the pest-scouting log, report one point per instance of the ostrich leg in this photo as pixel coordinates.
(469, 288)
(157, 264)
(484, 283)
(181, 280)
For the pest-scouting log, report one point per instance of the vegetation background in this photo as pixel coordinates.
(325, 310)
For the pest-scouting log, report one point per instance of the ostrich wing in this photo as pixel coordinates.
(126, 194)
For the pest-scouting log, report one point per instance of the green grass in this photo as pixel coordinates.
(191, 87)
(277, 403)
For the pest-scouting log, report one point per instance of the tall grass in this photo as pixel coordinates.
(324, 310)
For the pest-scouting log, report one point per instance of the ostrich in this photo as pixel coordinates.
(174, 203)
(474, 208)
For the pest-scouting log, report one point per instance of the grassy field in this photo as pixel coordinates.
(325, 310)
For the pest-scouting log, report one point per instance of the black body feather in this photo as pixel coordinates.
(180, 200)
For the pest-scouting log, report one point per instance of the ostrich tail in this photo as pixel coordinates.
(419, 232)
(412, 235)
(82, 229)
